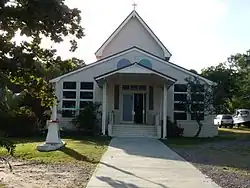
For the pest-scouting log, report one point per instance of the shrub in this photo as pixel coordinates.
(173, 130)
(87, 119)
(19, 123)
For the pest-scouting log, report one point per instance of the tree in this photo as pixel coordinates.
(225, 77)
(200, 101)
(23, 64)
(26, 66)
(4, 142)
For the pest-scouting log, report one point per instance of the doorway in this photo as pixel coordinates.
(127, 115)
(138, 108)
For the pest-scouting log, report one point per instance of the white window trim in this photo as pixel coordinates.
(180, 111)
(86, 90)
(67, 99)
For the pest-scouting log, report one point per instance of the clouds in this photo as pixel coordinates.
(188, 28)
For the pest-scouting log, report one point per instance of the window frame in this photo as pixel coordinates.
(198, 102)
(77, 99)
(86, 90)
(69, 99)
(178, 102)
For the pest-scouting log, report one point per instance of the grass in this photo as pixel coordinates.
(229, 157)
(224, 134)
(86, 149)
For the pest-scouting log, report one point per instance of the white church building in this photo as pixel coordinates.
(137, 85)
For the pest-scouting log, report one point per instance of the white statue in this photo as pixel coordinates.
(53, 140)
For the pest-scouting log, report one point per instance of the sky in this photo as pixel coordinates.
(198, 33)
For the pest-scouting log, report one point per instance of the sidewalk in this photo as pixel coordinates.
(145, 163)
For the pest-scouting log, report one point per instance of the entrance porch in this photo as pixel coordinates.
(134, 102)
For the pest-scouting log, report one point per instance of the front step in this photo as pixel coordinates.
(133, 130)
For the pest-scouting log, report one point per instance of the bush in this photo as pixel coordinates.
(173, 130)
(87, 120)
(19, 123)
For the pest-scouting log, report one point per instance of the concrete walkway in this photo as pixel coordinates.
(145, 163)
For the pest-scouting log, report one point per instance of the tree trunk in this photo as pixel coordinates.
(199, 128)
(7, 162)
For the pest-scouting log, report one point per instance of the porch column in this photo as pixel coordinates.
(165, 111)
(104, 107)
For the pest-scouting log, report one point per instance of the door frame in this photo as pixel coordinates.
(129, 92)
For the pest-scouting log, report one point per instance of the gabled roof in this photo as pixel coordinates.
(120, 27)
(134, 48)
(135, 67)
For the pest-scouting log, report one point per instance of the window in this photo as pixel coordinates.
(69, 85)
(72, 100)
(116, 97)
(180, 88)
(123, 63)
(179, 107)
(125, 87)
(87, 85)
(197, 88)
(180, 116)
(180, 96)
(134, 87)
(146, 63)
(227, 117)
(197, 106)
(142, 87)
(151, 98)
(197, 97)
(86, 94)
(83, 104)
(69, 104)
(68, 113)
(69, 94)
(69, 99)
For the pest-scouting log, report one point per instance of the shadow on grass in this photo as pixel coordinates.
(76, 155)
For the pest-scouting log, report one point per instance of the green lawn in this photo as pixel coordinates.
(224, 134)
(231, 157)
(85, 149)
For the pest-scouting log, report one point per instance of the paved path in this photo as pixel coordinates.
(145, 163)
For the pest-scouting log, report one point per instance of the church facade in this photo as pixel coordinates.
(137, 85)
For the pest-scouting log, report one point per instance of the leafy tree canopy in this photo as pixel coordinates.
(233, 78)
(27, 64)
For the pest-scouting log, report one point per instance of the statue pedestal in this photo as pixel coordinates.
(53, 140)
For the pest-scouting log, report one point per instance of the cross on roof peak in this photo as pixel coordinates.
(134, 5)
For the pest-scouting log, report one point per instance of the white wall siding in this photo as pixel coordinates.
(88, 75)
(191, 127)
(133, 34)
